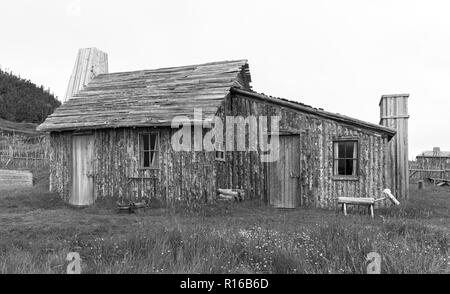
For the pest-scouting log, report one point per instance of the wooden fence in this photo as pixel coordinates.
(416, 174)
(23, 152)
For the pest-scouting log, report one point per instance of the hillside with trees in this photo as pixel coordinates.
(23, 101)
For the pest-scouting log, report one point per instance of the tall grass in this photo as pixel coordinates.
(334, 248)
(38, 231)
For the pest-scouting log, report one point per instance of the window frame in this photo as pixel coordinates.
(141, 151)
(336, 158)
(220, 150)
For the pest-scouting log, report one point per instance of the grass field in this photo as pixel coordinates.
(38, 231)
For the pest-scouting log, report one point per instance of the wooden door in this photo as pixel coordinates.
(82, 170)
(284, 174)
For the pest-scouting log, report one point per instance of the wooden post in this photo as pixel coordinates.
(344, 207)
(371, 210)
(420, 185)
(394, 114)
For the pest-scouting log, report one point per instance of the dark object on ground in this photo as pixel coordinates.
(132, 207)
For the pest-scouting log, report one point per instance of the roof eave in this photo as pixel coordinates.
(48, 129)
(325, 114)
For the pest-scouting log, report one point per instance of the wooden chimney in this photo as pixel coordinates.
(394, 114)
(89, 63)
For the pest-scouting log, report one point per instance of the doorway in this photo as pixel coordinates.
(82, 170)
(283, 176)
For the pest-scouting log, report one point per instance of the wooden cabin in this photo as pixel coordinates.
(114, 139)
(432, 164)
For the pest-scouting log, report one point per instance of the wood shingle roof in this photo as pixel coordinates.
(149, 97)
(155, 97)
(435, 154)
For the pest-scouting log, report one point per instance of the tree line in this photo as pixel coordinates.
(23, 101)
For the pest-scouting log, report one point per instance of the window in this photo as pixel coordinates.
(346, 158)
(220, 153)
(149, 150)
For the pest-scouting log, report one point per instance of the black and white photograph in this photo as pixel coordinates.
(224, 138)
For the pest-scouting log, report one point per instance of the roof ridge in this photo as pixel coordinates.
(243, 61)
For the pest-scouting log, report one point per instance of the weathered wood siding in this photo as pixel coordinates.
(241, 170)
(116, 168)
(319, 187)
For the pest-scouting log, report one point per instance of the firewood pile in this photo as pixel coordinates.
(236, 195)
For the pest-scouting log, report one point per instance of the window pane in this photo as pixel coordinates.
(349, 149)
(220, 155)
(341, 150)
(153, 141)
(144, 143)
(146, 161)
(341, 166)
(348, 167)
(154, 158)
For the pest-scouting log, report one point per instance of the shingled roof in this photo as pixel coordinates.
(317, 111)
(445, 154)
(155, 97)
(149, 97)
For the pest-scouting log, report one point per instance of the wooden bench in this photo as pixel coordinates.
(368, 201)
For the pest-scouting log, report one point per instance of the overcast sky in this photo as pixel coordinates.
(337, 55)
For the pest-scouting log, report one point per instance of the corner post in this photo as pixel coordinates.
(394, 114)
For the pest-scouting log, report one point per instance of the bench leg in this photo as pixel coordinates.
(371, 210)
(344, 207)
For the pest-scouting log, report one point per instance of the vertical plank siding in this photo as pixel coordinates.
(117, 174)
(318, 187)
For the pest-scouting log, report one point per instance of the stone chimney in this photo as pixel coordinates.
(89, 63)
(394, 114)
